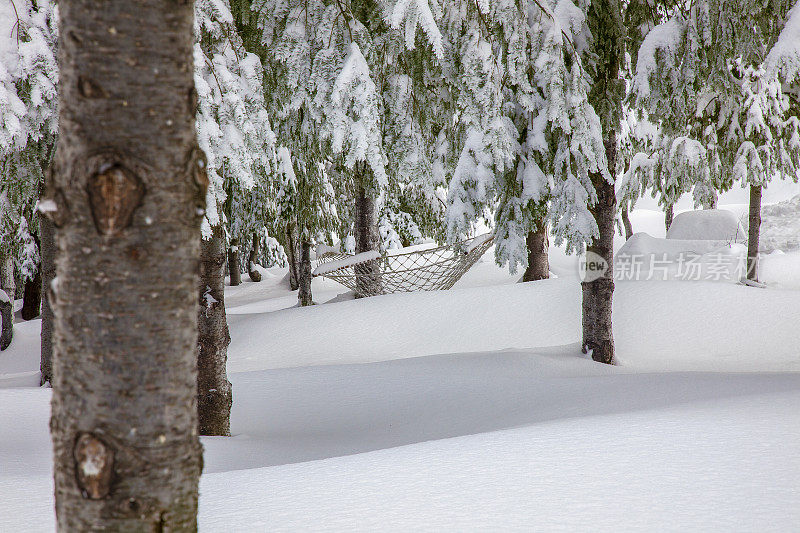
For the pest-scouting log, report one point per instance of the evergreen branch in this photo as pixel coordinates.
(346, 18)
(16, 24)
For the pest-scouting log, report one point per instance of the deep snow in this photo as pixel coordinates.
(473, 409)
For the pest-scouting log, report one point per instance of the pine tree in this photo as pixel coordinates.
(236, 137)
(730, 116)
(605, 21)
(529, 137)
(127, 197)
(28, 128)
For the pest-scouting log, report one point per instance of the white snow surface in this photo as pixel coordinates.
(473, 409)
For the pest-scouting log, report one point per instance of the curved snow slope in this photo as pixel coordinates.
(658, 326)
(473, 409)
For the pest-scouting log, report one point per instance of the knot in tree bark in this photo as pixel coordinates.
(94, 466)
(114, 194)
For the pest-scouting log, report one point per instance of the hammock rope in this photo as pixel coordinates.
(422, 270)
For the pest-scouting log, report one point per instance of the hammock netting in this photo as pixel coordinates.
(422, 270)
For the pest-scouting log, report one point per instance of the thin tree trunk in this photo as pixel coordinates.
(304, 295)
(214, 396)
(753, 233)
(32, 298)
(6, 320)
(668, 216)
(234, 268)
(626, 221)
(48, 253)
(538, 248)
(368, 276)
(252, 271)
(7, 282)
(129, 187)
(293, 256)
(605, 22)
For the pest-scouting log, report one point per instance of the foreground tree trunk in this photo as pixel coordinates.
(293, 256)
(538, 261)
(214, 395)
(6, 320)
(668, 216)
(48, 253)
(626, 221)
(753, 233)
(605, 23)
(598, 290)
(129, 191)
(304, 294)
(252, 271)
(234, 268)
(32, 298)
(368, 276)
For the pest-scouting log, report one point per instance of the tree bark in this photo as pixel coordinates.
(48, 254)
(234, 268)
(598, 338)
(668, 216)
(7, 282)
(538, 248)
(293, 256)
(32, 298)
(214, 395)
(304, 294)
(626, 221)
(252, 271)
(753, 233)
(6, 320)
(129, 188)
(368, 276)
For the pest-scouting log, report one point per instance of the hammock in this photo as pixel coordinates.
(370, 273)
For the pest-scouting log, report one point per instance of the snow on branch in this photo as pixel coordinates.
(355, 117)
(660, 45)
(784, 58)
(409, 14)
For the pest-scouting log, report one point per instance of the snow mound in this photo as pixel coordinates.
(645, 258)
(707, 224)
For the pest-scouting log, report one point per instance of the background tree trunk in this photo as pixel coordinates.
(293, 256)
(753, 233)
(538, 248)
(48, 253)
(668, 216)
(214, 396)
(626, 221)
(6, 320)
(252, 271)
(129, 184)
(7, 283)
(368, 276)
(234, 268)
(606, 24)
(304, 295)
(32, 299)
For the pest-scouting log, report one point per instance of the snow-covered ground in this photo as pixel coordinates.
(473, 409)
